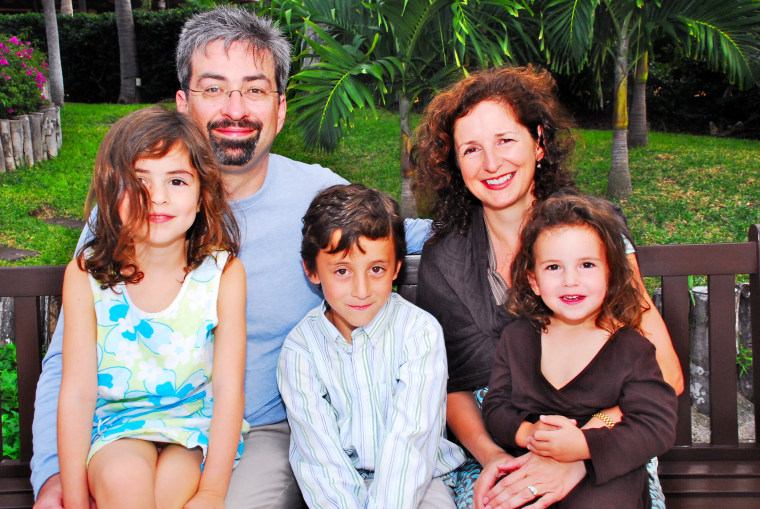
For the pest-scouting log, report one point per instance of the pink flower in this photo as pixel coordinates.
(3, 62)
(19, 54)
(43, 96)
(10, 111)
(14, 40)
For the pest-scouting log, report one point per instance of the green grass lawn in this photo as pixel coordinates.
(687, 189)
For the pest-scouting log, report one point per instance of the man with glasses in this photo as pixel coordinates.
(233, 68)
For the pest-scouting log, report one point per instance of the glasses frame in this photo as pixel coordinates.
(228, 94)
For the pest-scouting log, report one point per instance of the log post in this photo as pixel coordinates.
(58, 130)
(49, 133)
(35, 125)
(27, 138)
(17, 139)
(2, 158)
(5, 139)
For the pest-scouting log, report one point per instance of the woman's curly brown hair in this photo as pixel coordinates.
(150, 133)
(530, 94)
(622, 304)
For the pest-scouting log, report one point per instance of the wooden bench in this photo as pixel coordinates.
(724, 473)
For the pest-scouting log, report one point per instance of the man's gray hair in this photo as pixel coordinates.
(232, 24)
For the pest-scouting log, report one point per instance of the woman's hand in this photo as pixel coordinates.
(551, 479)
(488, 477)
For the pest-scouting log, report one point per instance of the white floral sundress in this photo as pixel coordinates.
(154, 369)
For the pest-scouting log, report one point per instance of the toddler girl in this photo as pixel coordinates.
(155, 310)
(578, 351)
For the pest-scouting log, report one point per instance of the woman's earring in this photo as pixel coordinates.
(538, 165)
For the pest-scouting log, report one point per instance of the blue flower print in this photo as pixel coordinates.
(113, 383)
(125, 324)
(162, 390)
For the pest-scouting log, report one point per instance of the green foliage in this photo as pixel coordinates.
(56, 187)
(22, 76)
(90, 51)
(744, 360)
(9, 402)
(357, 52)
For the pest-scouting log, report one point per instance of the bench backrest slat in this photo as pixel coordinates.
(27, 320)
(26, 285)
(675, 311)
(722, 343)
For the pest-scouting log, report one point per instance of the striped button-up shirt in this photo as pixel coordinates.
(374, 408)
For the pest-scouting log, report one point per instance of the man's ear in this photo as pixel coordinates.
(398, 268)
(181, 99)
(314, 278)
(540, 144)
(282, 110)
(533, 283)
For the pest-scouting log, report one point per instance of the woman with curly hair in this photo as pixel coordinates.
(489, 148)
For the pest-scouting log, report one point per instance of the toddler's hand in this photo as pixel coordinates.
(562, 441)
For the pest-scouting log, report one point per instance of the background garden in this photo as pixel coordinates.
(363, 72)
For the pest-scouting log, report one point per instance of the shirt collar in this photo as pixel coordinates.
(373, 331)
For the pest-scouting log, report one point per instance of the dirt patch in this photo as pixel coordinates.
(68, 223)
(12, 254)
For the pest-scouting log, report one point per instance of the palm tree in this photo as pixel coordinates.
(125, 27)
(731, 27)
(66, 8)
(372, 50)
(54, 53)
(586, 32)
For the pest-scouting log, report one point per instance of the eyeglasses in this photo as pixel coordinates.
(218, 94)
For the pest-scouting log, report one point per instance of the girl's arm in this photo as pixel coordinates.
(654, 329)
(227, 385)
(76, 405)
(649, 414)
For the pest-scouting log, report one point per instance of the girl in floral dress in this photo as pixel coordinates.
(155, 311)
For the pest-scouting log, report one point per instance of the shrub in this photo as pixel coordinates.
(9, 402)
(22, 76)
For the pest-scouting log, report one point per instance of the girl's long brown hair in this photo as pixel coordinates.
(622, 305)
(150, 133)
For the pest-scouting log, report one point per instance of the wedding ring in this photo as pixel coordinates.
(533, 490)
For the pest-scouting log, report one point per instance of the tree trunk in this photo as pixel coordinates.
(66, 8)
(53, 53)
(619, 183)
(639, 135)
(125, 27)
(408, 208)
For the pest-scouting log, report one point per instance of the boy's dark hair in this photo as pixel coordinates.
(355, 210)
(622, 305)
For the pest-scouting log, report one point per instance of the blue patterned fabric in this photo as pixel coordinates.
(154, 369)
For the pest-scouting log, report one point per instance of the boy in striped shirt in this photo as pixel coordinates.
(363, 376)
